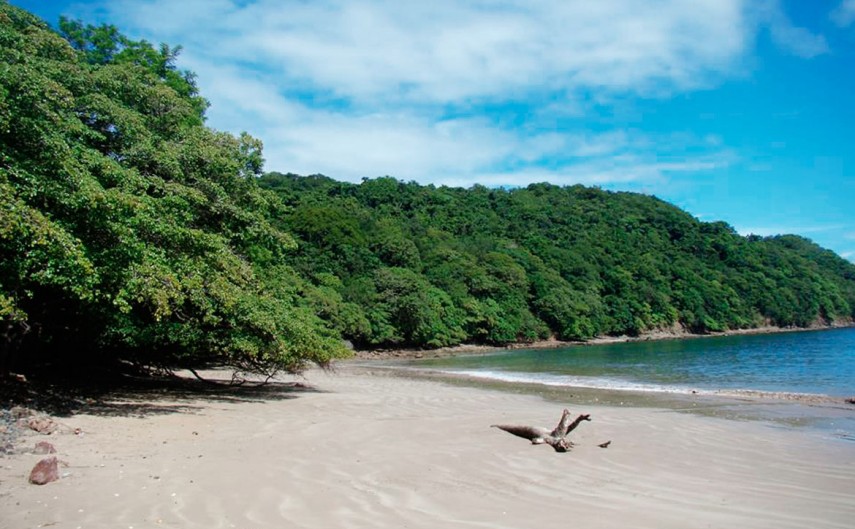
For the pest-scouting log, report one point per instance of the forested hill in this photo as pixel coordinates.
(394, 263)
(130, 231)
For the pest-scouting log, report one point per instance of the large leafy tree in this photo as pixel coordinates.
(129, 230)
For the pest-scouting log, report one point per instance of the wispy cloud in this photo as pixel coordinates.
(451, 51)
(460, 91)
(462, 152)
(844, 14)
(456, 151)
(797, 40)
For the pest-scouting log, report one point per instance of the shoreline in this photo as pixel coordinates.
(350, 449)
(821, 415)
(676, 392)
(832, 414)
(676, 333)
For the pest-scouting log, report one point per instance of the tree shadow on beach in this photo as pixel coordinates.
(112, 394)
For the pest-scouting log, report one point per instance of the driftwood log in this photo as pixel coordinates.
(556, 438)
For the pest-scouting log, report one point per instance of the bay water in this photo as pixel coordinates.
(814, 362)
(813, 371)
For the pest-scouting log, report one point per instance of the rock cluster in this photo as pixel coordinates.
(18, 421)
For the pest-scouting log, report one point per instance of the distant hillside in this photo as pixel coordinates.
(390, 263)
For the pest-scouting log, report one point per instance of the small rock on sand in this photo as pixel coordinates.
(43, 425)
(44, 447)
(45, 471)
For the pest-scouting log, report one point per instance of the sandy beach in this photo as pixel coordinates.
(354, 449)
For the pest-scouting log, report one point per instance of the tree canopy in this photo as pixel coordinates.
(422, 266)
(128, 229)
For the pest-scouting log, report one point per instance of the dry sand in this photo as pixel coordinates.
(377, 451)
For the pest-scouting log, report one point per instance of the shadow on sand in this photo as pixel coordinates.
(112, 394)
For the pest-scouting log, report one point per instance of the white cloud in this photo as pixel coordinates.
(452, 51)
(844, 14)
(371, 87)
(469, 151)
(798, 41)
(639, 172)
(794, 39)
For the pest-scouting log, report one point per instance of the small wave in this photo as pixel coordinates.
(548, 379)
(616, 384)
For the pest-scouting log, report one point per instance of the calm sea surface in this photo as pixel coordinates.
(815, 362)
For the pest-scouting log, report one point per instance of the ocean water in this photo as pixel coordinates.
(793, 379)
(818, 363)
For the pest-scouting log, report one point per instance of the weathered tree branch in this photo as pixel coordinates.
(557, 438)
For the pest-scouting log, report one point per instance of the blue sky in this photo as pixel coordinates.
(734, 110)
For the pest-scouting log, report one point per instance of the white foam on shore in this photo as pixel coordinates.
(549, 379)
(617, 384)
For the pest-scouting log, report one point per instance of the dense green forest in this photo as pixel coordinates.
(394, 263)
(130, 231)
